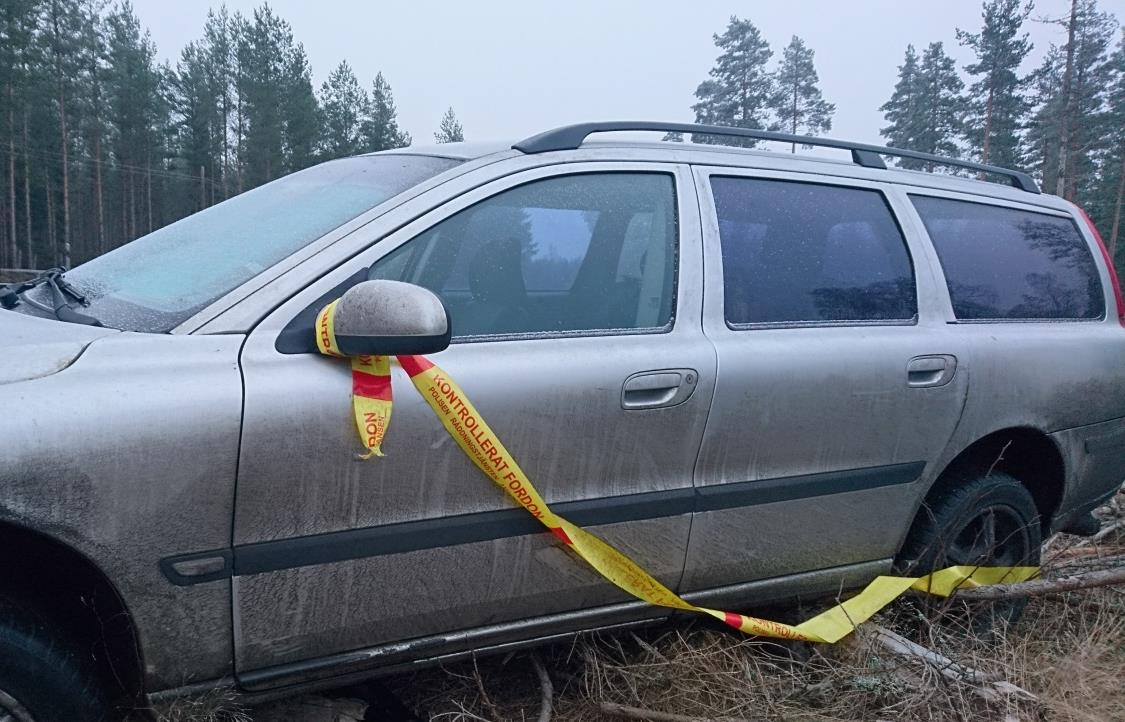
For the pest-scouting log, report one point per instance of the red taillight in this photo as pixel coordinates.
(1109, 265)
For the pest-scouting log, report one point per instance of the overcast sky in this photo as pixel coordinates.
(513, 68)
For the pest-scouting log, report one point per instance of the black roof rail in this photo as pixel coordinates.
(570, 137)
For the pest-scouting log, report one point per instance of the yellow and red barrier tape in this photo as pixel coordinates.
(372, 400)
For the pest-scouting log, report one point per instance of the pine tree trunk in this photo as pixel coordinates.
(148, 189)
(29, 259)
(986, 142)
(1064, 126)
(1117, 212)
(51, 235)
(793, 148)
(98, 190)
(12, 172)
(63, 143)
(132, 204)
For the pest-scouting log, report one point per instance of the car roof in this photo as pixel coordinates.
(608, 148)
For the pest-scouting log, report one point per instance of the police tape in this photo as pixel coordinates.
(372, 401)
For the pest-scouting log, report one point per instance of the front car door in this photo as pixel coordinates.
(575, 301)
(839, 380)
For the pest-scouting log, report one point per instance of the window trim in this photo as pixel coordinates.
(709, 202)
(1059, 213)
(687, 276)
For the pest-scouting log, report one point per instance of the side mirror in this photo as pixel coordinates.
(390, 318)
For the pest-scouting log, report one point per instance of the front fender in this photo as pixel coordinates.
(128, 455)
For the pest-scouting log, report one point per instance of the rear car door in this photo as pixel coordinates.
(838, 380)
(575, 302)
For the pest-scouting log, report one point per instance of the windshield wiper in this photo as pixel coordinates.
(12, 293)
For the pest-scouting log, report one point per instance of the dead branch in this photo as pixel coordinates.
(492, 713)
(896, 643)
(548, 690)
(1107, 530)
(987, 686)
(619, 710)
(1035, 587)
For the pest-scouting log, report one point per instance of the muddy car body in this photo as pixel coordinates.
(753, 372)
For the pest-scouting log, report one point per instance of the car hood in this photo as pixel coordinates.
(33, 347)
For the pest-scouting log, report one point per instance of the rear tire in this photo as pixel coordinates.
(985, 521)
(42, 679)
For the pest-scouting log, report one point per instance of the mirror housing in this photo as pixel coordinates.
(391, 318)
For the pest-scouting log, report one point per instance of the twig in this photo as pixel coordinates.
(1035, 587)
(492, 713)
(999, 458)
(619, 710)
(547, 688)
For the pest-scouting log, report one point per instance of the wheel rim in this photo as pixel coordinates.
(996, 535)
(13, 711)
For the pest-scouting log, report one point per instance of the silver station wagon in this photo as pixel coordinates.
(761, 375)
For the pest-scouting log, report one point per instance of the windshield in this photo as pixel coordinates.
(158, 281)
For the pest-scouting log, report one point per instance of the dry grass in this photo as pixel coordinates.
(219, 705)
(1068, 650)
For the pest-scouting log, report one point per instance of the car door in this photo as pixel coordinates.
(838, 379)
(575, 301)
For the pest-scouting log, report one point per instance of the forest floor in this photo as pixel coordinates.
(1063, 661)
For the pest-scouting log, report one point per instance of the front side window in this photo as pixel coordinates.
(1005, 263)
(589, 252)
(807, 253)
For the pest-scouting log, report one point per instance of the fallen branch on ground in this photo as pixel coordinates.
(1107, 530)
(1035, 587)
(987, 686)
(548, 689)
(619, 710)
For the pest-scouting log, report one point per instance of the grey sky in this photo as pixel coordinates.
(513, 68)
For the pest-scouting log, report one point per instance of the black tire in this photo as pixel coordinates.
(990, 520)
(42, 679)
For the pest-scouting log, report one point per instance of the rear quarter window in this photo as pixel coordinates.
(1006, 263)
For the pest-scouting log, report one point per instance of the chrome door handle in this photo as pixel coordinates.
(930, 370)
(658, 389)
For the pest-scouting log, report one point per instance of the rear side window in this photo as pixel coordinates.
(807, 253)
(1004, 263)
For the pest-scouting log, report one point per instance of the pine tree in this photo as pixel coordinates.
(942, 107)
(20, 57)
(261, 50)
(219, 45)
(344, 108)
(1083, 95)
(902, 110)
(740, 87)
(63, 24)
(381, 131)
(1040, 143)
(926, 109)
(998, 105)
(450, 130)
(798, 103)
(134, 89)
(302, 113)
(195, 108)
(1106, 204)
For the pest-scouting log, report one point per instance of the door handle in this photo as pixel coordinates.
(930, 370)
(658, 389)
